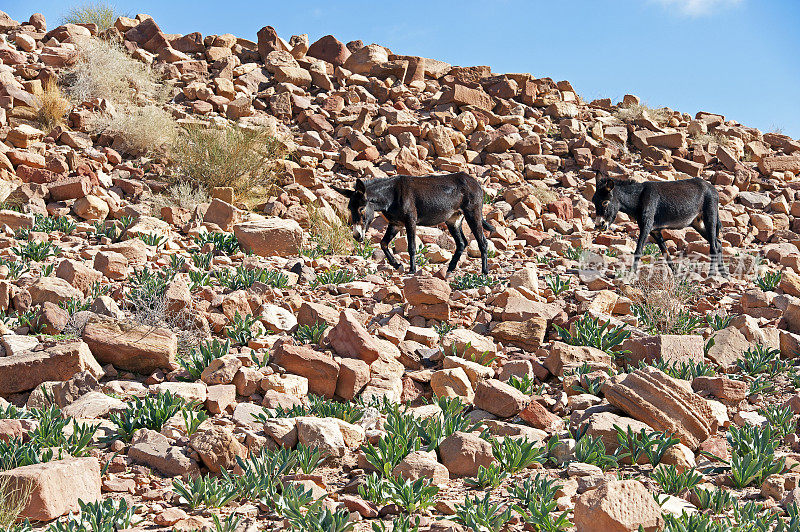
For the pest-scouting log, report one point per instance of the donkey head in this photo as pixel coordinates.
(362, 212)
(606, 203)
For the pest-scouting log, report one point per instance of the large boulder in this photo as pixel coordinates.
(563, 356)
(365, 59)
(270, 237)
(130, 346)
(28, 370)
(499, 398)
(463, 452)
(618, 506)
(56, 487)
(321, 370)
(217, 447)
(330, 49)
(654, 398)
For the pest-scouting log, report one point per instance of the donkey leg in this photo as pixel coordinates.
(659, 239)
(712, 226)
(411, 236)
(645, 228)
(391, 232)
(476, 226)
(461, 243)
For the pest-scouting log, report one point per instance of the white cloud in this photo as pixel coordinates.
(698, 8)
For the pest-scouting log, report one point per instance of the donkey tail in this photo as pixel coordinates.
(489, 227)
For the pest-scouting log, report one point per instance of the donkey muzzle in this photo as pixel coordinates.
(601, 223)
(358, 233)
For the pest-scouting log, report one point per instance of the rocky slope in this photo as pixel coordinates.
(316, 351)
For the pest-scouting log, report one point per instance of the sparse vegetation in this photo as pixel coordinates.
(632, 112)
(661, 303)
(51, 106)
(232, 156)
(101, 14)
(588, 331)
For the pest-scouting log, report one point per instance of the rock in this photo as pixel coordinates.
(286, 383)
(618, 506)
(282, 430)
(217, 447)
(656, 399)
(467, 344)
(729, 344)
(463, 452)
(499, 398)
(129, 345)
(56, 486)
(321, 371)
(353, 376)
(221, 370)
(475, 372)
(152, 449)
(28, 370)
(53, 290)
(670, 348)
(452, 383)
(600, 424)
(311, 313)
(349, 338)
(329, 49)
(93, 405)
(421, 464)
(77, 274)
(363, 60)
(111, 264)
(722, 388)
(563, 356)
(322, 433)
(539, 417)
(220, 398)
(270, 237)
(419, 290)
(527, 335)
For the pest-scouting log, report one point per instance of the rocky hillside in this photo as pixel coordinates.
(191, 339)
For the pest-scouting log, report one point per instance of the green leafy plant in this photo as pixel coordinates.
(310, 334)
(674, 482)
(478, 513)
(444, 327)
(207, 491)
(240, 329)
(333, 276)
(525, 384)
(151, 412)
(199, 278)
(403, 523)
(229, 524)
(319, 519)
(761, 359)
(152, 239)
(753, 455)
(202, 261)
(243, 278)
(193, 417)
(556, 284)
(537, 504)
(225, 243)
(261, 472)
(589, 332)
(197, 359)
(107, 514)
(487, 477)
(577, 253)
(686, 370)
(308, 458)
(472, 280)
(592, 450)
(717, 500)
(35, 250)
(364, 249)
(718, 321)
(780, 419)
(514, 455)
(768, 281)
(15, 268)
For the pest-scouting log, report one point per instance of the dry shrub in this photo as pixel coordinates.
(184, 195)
(661, 300)
(542, 192)
(140, 129)
(633, 112)
(704, 139)
(102, 14)
(105, 70)
(232, 156)
(13, 499)
(330, 232)
(51, 106)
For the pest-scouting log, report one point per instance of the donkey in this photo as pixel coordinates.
(408, 201)
(658, 205)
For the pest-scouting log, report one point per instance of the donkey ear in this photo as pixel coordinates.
(344, 192)
(360, 186)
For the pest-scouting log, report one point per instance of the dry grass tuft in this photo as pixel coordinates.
(102, 14)
(233, 156)
(636, 111)
(704, 139)
(51, 106)
(661, 300)
(141, 129)
(13, 499)
(330, 232)
(185, 195)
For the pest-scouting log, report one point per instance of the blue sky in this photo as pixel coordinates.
(734, 57)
